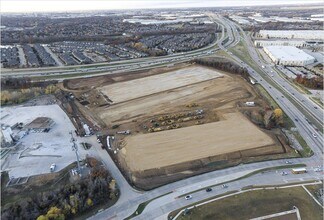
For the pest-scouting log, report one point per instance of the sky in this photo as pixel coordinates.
(82, 5)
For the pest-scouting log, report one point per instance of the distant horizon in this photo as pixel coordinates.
(38, 6)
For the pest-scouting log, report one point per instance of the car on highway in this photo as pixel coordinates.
(284, 173)
(296, 119)
(224, 186)
(288, 162)
(314, 135)
(315, 107)
(188, 197)
(209, 189)
(317, 169)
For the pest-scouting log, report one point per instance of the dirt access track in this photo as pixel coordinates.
(161, 149)
(169, 140)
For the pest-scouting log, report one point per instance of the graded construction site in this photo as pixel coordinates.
(182, 121)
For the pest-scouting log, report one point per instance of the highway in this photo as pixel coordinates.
(98, 69)
(304, 127)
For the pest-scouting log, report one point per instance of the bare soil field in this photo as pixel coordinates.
(216, 92)
(161, 149)
(120, 92)
(183, 120)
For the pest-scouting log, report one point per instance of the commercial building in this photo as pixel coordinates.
(266, 43)
(292, 34)
(288, 56)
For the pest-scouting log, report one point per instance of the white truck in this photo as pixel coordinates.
(52, 167)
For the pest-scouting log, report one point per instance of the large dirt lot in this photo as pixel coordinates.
(183, 121)
(123, 91)
(161, 149)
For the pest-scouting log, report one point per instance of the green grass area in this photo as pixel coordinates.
(307, 152)
(300, 88)
(142, 206)
(314, 189)
(317, 101)
(251, 174)
(258, 203)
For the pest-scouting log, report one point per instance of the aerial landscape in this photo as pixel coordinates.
(162, 110)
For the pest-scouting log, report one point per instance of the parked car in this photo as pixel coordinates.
(188, 197)
(209, 189)
(224, 186)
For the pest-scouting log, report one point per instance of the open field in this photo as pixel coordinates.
(259, 203)
(120, 92)
(223, 91)
(156, 150)
(183, 121)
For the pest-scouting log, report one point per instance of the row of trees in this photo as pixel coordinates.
(64, 203)
(21, 95)
(223, 65)
(313, 83)
(23, 83)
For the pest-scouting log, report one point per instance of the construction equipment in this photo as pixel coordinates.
(192, 105)
(126, 132)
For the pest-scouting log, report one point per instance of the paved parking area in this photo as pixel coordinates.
(36, 152)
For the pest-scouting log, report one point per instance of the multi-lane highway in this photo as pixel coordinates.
(98, 69)
(281, 94)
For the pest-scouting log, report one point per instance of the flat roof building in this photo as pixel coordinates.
(295, 43)
(292, 34)
(288, 56)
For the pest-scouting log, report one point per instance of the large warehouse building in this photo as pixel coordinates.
(295, 43)
(288, 56)
(292, 34)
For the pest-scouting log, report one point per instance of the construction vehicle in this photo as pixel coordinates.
(52, 168)
(192, 105)
(126, 132)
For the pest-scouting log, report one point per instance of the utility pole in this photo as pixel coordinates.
(75, 149)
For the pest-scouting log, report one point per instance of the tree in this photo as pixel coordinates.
(50, 89)
(277, 113)
(53, 213)
(42, 217)
(89, 202)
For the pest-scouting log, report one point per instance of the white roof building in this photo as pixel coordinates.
(288, 56)
(293, 34)
(295, 43)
